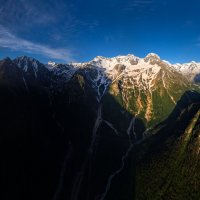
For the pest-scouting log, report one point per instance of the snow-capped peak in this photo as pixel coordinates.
(119, 58)
(109, 63)
(152, 57)
(97, 58)
(133, 66)
(190, 70)
(52, 64)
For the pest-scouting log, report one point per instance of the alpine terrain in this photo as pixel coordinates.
(118, 128)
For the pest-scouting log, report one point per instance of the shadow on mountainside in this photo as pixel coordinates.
(101, 134)
(179, 118)
(164, 163)
(62, 145)
(197, 78)
(65, 143)
(177, 121)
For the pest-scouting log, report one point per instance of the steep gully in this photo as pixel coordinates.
(78, 181)
(124, 157)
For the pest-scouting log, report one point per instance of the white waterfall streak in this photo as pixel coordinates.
(63, 170)
(79, 178)
(95, 128)
(112, 127)
(130, 128)
(26, 86)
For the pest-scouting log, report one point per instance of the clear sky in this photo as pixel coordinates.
(78, 30)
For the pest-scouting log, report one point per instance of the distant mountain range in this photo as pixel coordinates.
(100, 129)
(146, 87)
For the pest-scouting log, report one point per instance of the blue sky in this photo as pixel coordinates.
(78, 30)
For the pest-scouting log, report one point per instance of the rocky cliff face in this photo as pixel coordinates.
(148, 88)
(69, 130)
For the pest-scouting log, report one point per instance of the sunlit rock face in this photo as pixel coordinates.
(190, 70)
(76, 121)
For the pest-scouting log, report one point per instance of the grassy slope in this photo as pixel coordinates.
(161, 101)
(172, 172)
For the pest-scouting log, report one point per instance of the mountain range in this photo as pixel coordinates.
(111, 128)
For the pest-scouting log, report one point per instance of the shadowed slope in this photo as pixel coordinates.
(168, 165)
